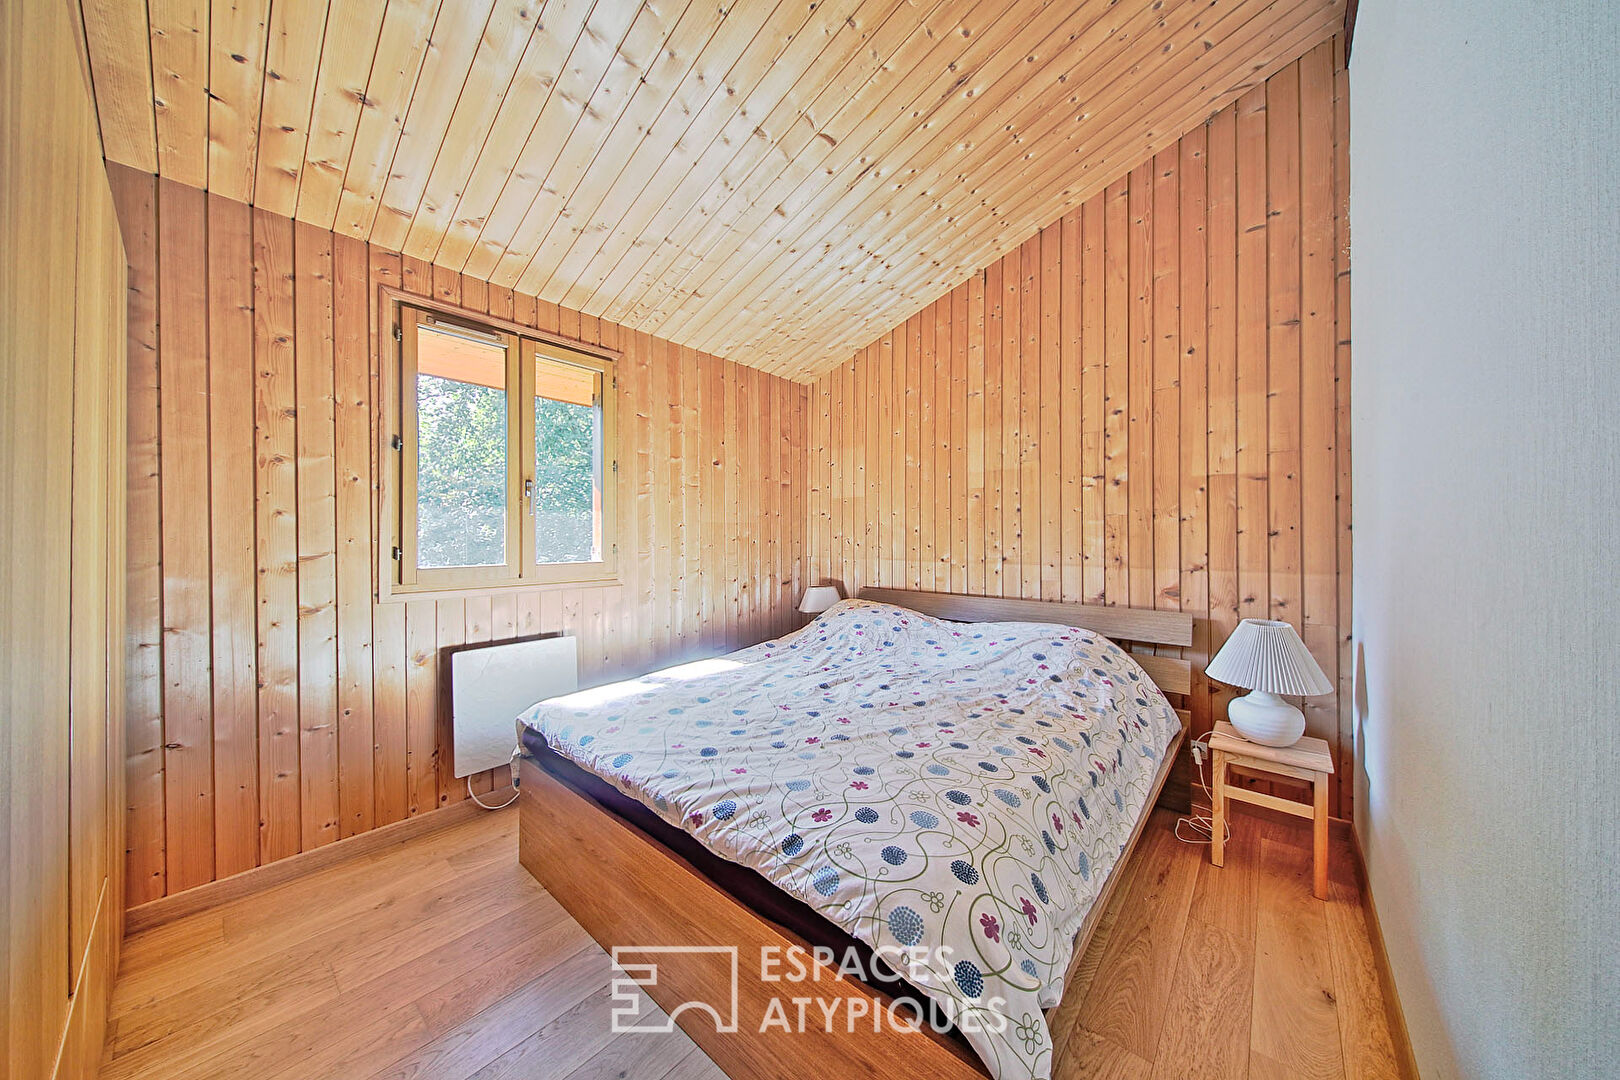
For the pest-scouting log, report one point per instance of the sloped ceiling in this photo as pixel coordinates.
(775, 183)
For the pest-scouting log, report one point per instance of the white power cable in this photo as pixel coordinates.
(1202, 826)
(498, 806)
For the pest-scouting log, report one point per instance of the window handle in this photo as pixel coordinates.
(528, 490)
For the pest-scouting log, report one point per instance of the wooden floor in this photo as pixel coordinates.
(441, 958)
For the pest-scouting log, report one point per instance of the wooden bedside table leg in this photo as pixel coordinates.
(1320, 828)
(1217, 831)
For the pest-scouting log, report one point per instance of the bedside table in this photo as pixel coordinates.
(1308, 760)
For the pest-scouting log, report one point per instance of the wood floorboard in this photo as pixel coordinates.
(694, 1066)
(485, 1036)
(383, 1008)
(1295, 1017)
(1206, 1023)
(341, 955)
(1225, 895)
(442, 959)
(1089, 1056)
(1127, 997)
(559, 1046)
(512, 952)
(169, 958)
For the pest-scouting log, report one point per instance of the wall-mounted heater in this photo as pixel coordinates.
(491, 684)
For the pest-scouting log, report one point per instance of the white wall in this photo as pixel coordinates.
(1485, 206)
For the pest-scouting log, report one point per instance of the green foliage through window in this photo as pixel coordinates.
(567, 441)
(461, 474)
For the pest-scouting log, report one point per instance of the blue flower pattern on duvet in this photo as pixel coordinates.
(917, 782)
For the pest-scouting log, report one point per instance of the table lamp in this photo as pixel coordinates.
(1267, 657)
(818, 598)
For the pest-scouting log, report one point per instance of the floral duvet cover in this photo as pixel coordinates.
(954, 793)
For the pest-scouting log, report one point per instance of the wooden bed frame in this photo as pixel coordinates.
(626, 889)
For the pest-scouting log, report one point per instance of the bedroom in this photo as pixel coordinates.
(990, 613)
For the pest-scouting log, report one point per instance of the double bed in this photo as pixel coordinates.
(911, 811)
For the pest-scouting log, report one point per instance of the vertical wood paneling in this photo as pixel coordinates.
(1116, 391)
(1193, 438)
(423, 753)
(1166, 398)
(93, 541)
(63, 339)
(390, 768)
(230, 479)
(992, 430)
(317, 536)
(292, 708)
(1093, 403)
(1011, 385)
(1282, 340)
(1049, 456)
(1139, 393)
(1253, 480)
(38, 305)
(145, 872)
(1341, 383)
(974, 358)
(712, 407)
(1029, 420)
(1221, 377)
(276, 509)
(934, 525)
(1319, 614)
(188, 766)
(690, 590)
(450, 630)
(912, 452)
(351, 399)
(1071, 428)
(421, 706)
(1164, 393)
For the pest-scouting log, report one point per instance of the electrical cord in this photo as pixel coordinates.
(1202, 826)
(498, 806)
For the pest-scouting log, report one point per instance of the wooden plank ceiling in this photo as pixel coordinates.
(774, 182)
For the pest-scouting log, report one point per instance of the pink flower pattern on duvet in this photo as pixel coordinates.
(962, 790)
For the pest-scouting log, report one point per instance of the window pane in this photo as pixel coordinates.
(461, 452)
(567, 503)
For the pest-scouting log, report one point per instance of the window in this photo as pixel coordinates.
(501, 460)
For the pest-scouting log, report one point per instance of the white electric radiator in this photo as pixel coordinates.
(490, 685)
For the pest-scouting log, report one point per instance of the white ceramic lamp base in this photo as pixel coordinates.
(1266, 719)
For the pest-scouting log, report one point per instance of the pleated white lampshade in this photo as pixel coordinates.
(1265, 654)
(818, 598)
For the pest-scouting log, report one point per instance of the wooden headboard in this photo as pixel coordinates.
(1124, 625)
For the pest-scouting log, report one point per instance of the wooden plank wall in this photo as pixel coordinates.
(62, 341)
(274, 706)
(1144, 404)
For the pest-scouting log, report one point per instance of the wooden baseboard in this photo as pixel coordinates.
(1392, 1000)
(166, 909)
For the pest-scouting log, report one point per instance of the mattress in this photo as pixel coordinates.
(739, 882)
(956, 794)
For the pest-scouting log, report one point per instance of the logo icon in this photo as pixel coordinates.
(627, 1014)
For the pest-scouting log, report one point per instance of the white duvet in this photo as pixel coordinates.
(957, 791)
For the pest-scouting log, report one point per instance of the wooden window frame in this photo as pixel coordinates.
(400, 315)
(529, 350)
